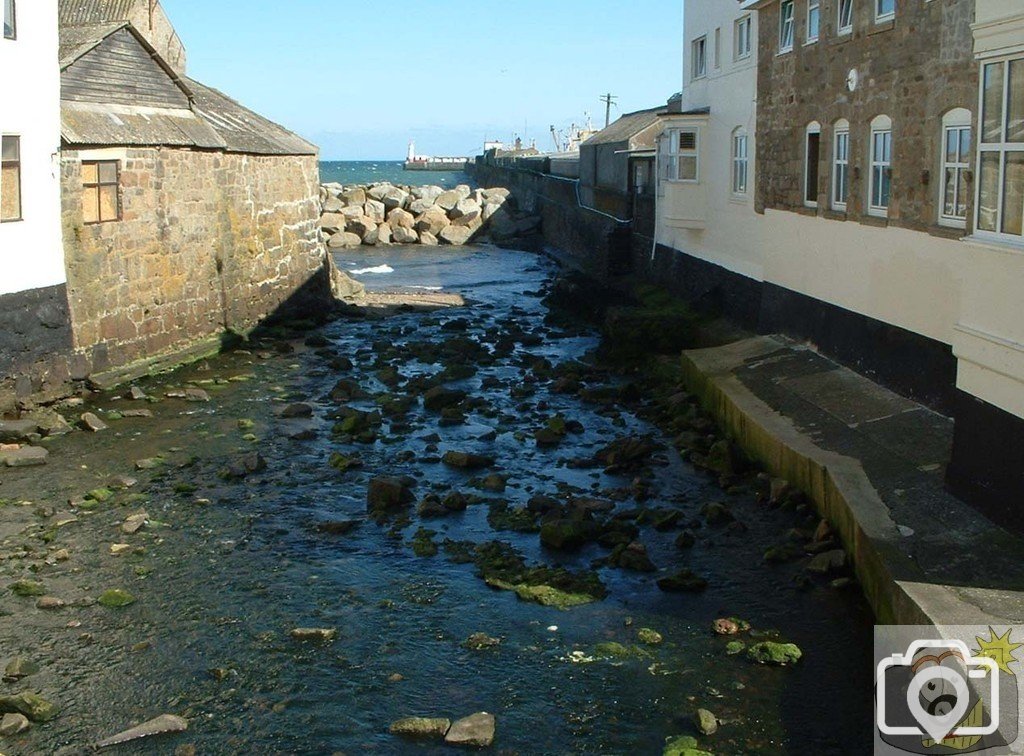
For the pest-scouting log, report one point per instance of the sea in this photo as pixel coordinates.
(373, 171)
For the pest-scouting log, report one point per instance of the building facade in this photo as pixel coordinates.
(33, 297)
(706, 243)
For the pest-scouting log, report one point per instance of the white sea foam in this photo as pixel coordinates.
(428, 288)
(378, 269)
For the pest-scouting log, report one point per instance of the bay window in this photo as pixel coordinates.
(680, 161)
(1000, 210)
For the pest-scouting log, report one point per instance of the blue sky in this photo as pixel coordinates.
(361, 78)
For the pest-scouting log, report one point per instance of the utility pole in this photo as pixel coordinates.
(608, 100)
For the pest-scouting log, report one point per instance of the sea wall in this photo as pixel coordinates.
(383, 214)
(586, 239)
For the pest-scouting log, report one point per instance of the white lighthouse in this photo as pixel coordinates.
(411, 157)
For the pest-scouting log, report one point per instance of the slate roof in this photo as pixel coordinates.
(215, 121)
(627, 127)
(76, 12)
(244, 130)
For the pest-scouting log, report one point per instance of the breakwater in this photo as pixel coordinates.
(385, 213)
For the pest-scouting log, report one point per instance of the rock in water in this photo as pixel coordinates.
(115, 598)
(165, 723)
(705, 722)
(13, 724)
(323, 634)
(476, 730)
(770, 652)
(92, 423)
(36, 708)
(467, 461)
(420, 727)
(19, 668)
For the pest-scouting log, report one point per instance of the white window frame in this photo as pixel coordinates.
(815, 7)
(954, 124)
(813, 128)
(787, 26)
(880, 126)
(842, 28)
(840, 166)
(740, 162)
(884, 15)
(1001, 149)
(742, 36)
(10, 25)
(675, 153)
(699, 55)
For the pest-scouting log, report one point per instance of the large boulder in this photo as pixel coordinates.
(403, 235)
(331, 223)
(476, 731)
(420, 206)
(498, 194)
(490, 209)
(427, 193)
(372, 236)
(353, 211)
(464, 191)
(427, 239)
(354, 197)
(376, 210)
(465, 212)
(344, 240)
(395, 198)
(344, 287)
(362, 226)
(388, 495)
(448, 200)
(333, 205)
(456, 235)
(399, 218)
(384, 234)
(377, 191)
(433, 221)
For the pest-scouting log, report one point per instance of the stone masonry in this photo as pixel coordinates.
(913, 69)
(208, 242)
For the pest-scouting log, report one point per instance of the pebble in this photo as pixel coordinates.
(50, 603)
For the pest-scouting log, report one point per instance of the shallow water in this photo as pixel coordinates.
(222, 583)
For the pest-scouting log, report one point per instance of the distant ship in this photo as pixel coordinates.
(414, 162)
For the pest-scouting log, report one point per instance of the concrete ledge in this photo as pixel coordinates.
(896, 588)
(161, 363)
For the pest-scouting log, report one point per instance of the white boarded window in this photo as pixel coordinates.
(786, 33)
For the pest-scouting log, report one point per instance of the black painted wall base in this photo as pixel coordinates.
(987, 468)
(35, 343)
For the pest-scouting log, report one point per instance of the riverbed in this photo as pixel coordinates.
(235, 555)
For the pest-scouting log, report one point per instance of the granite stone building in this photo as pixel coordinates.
(184, 215)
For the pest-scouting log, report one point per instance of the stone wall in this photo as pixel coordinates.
(913, 69)
(588, 240)
(207, 243)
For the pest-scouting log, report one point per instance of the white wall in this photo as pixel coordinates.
(727, 235)
(31, 251)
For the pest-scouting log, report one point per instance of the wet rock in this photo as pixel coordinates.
(196, 395)
(150, 463)
(33, 706)
(320, 634)
(648, 636)
(547, 438)
(683, 745)
(420, 727)
(567, 534)
(732, 648)
(770, 652)
(162, 725)
(616, 650)
(13, 724)
(827, 563)
(115, 598)
(441, 397)
(632, 556)
(423, 543)
(386, 495)
(684, 581)
(516, 519)
(244, 466)
(716, 513)
(298, 410)
(494, 483)
(28, 588)
(724, 458)
(705, 722)
(119, 549)
(91, 423)
(134, 523)
(343, 463)
(476, 731)
(49, 603)
(467, 461)
(432, 506)
(778, 490)
(455, 502)
(480, 642)
(24, 456)
(338, 527)
(685, 540)
(783, 553)
(823, 532)
(19, 668)
(135, 394)
(17, 431)
(626, 453)
(729, 626)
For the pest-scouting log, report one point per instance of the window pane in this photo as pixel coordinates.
(988, 200)
(886, 7)
(845, 14)
(90, 205)
(949, 192)
(813, 19)
(886, 186)
(992, 117)
(10, 192)
(688, 168)
(11, 148)
(90, 173)
(108, 203)
(961, 195)
(952, 145)
(108, 173)
(9, 21)
(1013, 194)
(813, 154)
(1015, 103)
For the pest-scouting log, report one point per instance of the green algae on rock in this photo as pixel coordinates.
(770, 652)
(683, 745)
(28, 588)
(115, 598)
(33, 706)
